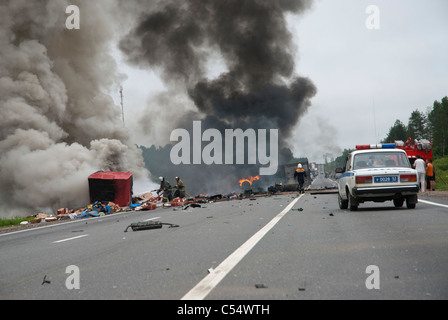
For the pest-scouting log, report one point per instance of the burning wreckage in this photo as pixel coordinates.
(243, 96)
(111, 192)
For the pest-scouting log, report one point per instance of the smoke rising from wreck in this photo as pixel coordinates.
(257, 90)
(57, 124)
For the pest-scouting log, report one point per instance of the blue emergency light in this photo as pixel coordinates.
(376, 146)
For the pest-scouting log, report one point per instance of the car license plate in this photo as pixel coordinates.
(385, 179)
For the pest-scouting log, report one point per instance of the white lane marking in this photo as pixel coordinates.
(151, 219)
(433, 203)
(68, 239)
(206, 285)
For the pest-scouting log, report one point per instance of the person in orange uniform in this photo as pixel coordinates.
(430, 177)
(300, 175)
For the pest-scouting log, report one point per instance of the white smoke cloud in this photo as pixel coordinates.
(57, 122)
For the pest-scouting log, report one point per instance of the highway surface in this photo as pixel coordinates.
(278, 247)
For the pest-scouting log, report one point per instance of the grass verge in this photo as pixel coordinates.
(441, 170)
(4, 223)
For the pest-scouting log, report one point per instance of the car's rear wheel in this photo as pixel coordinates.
(343, 204)
(411, 202)
(410, 205)
(398, 203)
(352, 203)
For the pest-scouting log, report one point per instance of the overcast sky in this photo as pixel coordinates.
(366, 79)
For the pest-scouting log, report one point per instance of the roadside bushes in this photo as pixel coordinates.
(441, 169)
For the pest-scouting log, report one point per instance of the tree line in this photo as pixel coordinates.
(431, 125)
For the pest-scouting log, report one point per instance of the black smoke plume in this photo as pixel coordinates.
(258, 87)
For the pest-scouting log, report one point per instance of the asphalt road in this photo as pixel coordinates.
(239, 249)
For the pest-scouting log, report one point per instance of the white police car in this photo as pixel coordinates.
(377, 173)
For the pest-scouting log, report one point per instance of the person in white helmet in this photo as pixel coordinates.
(300, 175)
(165, 187)
(180, 188)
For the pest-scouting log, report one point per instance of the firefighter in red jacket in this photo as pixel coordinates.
(300, 175)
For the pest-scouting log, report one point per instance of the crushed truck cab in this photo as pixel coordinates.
(377, 175)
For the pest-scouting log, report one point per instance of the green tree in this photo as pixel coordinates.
(340, 161)
(397, 132)
(417, 125)
(438, 119)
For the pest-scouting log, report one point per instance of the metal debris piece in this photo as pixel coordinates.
(260, 286)
(147, 225)
(191, 205)
(46, 280)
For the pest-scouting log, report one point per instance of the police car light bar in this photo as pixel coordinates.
(376, 146)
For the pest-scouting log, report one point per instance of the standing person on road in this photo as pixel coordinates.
(300, 175)
(430, 176)
(420, 166)
(180, 188)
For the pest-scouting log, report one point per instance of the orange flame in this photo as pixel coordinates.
(249, 179)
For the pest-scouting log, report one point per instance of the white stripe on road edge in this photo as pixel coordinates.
(151, 219)
(206, 285)
(68, 239)
(433, 203)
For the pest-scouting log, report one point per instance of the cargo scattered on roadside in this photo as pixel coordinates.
(111, 192)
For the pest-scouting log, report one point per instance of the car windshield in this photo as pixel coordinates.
(380, 160)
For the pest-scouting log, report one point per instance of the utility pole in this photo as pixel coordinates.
(122, 109)
(374, 121)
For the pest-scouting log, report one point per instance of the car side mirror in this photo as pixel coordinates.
(339, 170)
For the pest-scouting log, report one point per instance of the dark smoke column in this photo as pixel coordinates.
(258, 90)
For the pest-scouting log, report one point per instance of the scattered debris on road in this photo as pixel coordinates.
(191, 205)
(46, 281)
(107, 197)
(148, 225)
